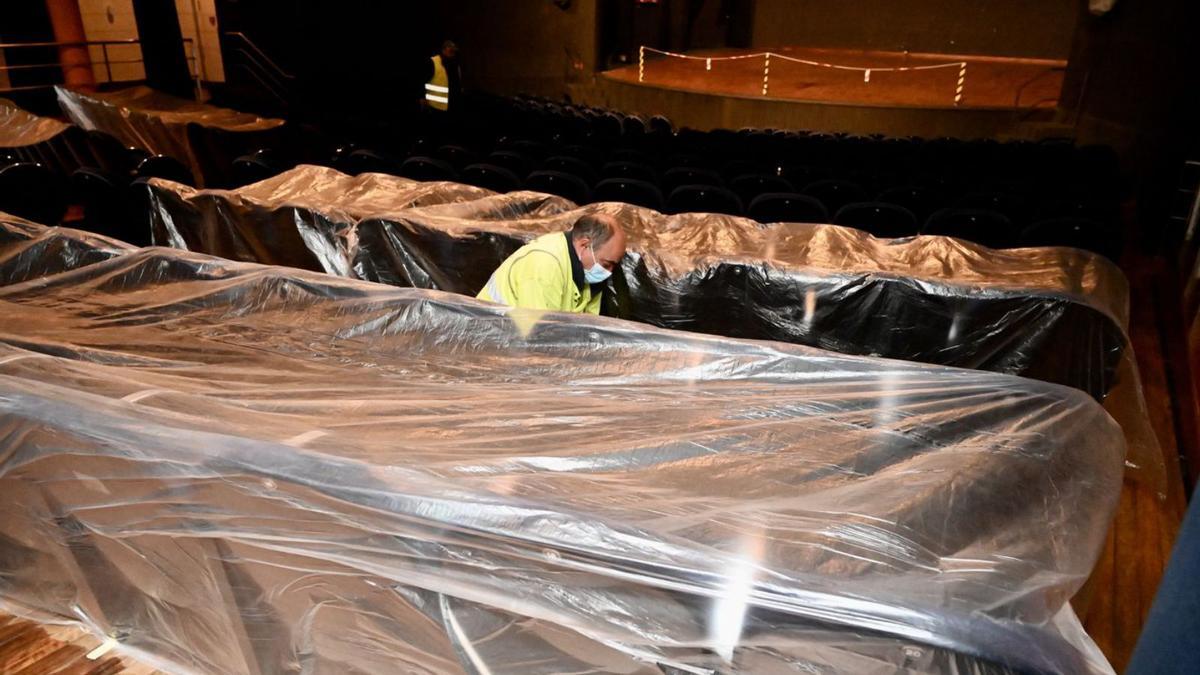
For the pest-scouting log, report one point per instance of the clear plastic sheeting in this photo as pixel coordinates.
(19, 127)
(144, 118)
(300, 219)
(235, 468)
(1052, 314)
(56, 145)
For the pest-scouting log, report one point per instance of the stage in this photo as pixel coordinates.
(838, 90)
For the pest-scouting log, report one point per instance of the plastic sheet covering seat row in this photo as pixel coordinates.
(1052, 314)
(229, 467)
(205, 137)
(27, 137)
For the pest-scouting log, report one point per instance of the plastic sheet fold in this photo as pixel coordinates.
(236, 468)
(52, 143)
(20, 127)
(159, 123)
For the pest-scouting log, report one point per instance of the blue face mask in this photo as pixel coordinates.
(596, 274)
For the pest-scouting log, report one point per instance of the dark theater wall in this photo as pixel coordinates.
(522, 46)
(1029, 28)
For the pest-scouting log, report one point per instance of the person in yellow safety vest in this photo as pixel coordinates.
(563, 271)
(437, 89)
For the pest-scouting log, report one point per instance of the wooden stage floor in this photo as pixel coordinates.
(990, 82)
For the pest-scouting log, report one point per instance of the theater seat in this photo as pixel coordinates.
(112, 156)
(689, 175)
(559, 183)
(528, 149)
(103, 198)
(835, 193)
(491, 177)
(631, 155)
(982, 227)
(456, 155)
(1007, 205)
(368, 161)
(629, 191)
(167, 168)
(633, 127)
(704, 199)
(571, 165)
(921, 200)
(879, 219)
(750, 186)
(634, 170)
(512, 160)
(427, 168)
(33, 192)
(584, 153)
(661, 126)
(1081, 233)
(787, 207)
(743, 167)
(255, 166)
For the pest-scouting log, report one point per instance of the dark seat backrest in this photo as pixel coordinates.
(559, 183)
(629, 191)
(456, 155)
(922, 200)
(879, 219)
(167, 168)
(512, 160)
(835, 193)
(704, 199)
(689, 175)
(571, 165)
(749, 186)
(491, 177)
(32, 191)
(427, 168)
(1081, 233)
(365, 160)
(635, 170)
(787, 207)
(982, 227)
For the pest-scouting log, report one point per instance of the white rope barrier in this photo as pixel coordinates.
(962, 78)
(766, 56)
(766, 71)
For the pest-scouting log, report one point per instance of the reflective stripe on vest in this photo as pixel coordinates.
(493, 291)
(437, 89)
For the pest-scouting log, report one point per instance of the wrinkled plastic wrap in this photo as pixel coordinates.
(44, 140)
(1051, 314)
(20, 127)
(235, 468)
(159, 123)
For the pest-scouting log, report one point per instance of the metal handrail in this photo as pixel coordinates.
(262, 82)
(32, 66)
(260, 67)
(190, 57)
(261, 54)
(82, 43)
(253, 61)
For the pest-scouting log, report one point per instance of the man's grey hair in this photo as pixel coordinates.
(597, 228)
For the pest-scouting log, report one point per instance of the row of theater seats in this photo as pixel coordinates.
(996, 194)
(102, 188)
(987, 216)
(1008, 194)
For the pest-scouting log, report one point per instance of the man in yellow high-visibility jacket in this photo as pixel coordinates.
(563, 271)
(437, 89)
